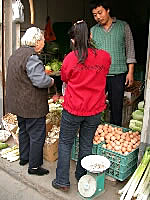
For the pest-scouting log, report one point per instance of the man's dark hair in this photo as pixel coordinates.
(96, 3)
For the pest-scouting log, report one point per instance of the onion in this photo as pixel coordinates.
(134, 134)
(101, 139)
(123, 137)
(131, 136)
(128, 138)
(110, 134)
(117, 142)
(112, 144)
(138, 143)
(138, 137)
(104, 145)
(126, 153)
(133, 141)
(134, 146)
(129, 148)
(118, 137)
(107, 137)
(125, 144)
(98, 141)
(100, 130)
(100, 126)
(94, 142)
(102, 134)
(96, 133)
(108, 141)
(130, 143)
(113, 138)
(117, 148)
(109, 146)
(121, 140)
(109, 130)
(96, 137)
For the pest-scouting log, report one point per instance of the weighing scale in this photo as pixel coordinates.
(91, 185)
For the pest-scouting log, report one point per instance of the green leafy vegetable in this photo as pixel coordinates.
(138, 115)
(139, 183)
(141, 105)
(55, 65)
(135, 125)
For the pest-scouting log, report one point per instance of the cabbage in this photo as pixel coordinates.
(141, 105)
(135, 125)
(55, 65)
(138, 115)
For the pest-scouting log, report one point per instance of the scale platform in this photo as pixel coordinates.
(91, 185)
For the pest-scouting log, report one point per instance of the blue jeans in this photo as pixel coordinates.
(70, 125)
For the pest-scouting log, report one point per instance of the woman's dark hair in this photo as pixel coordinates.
(96, 3)
(80, 34)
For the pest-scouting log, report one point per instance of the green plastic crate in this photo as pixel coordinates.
(121, 166)
(121, 176)
(75, 149)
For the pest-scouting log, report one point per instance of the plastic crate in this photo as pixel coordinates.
(75, 149)
(121, 176)
(121, 166)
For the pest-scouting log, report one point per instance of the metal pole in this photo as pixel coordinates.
(3, 57)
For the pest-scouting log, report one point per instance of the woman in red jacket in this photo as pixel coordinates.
(84, 71)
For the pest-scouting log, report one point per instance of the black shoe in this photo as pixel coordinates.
(39, 171)
(62, 188)
(23, 162)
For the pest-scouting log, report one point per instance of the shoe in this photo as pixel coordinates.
(62, 188)
(39, 171)
(23, 162)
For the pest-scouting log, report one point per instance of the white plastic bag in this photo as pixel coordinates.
(4, 135)
(17, 9)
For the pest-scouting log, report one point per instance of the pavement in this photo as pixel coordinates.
(17, 184)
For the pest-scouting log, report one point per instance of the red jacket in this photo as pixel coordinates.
(85, 92)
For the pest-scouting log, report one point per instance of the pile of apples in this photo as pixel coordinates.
(56, 99)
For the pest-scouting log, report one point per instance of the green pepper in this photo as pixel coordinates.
(3, 145)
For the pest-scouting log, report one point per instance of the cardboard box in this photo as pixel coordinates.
(15, 135)
(50, 151)
(48, 126)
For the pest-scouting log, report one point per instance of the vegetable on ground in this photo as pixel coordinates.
(139, 183)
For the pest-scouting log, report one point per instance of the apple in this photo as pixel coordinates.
(61, 99)
(47, 67)
(55, 98)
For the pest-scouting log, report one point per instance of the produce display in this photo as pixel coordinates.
(55, 109)
(138, 185)
(9, 121)
(3, 145)
(136, 122)
(115, 139)
(10, 153)
(4, 135)
(53, 135)
(53, 66)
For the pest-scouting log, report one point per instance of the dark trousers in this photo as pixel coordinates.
(32, 133)
(70, 125)
(115, 86)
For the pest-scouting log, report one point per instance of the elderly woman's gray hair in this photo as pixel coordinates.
(31, 36)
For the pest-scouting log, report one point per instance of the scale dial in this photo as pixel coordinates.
(87, 186)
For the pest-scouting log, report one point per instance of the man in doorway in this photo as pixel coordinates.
(114, 36)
